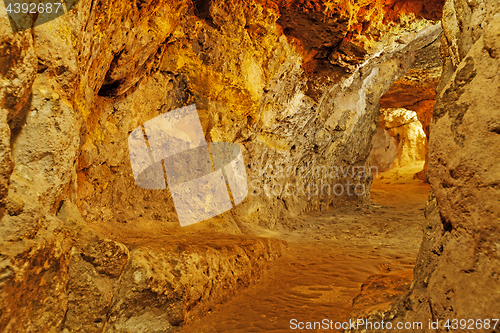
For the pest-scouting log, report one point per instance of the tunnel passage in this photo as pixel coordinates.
(249, 70)
(401, 141)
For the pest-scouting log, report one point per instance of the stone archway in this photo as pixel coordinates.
(401, 140)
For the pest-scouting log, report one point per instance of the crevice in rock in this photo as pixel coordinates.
(202, 10)
(110, 89)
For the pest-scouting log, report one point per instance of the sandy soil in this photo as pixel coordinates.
(330, 255)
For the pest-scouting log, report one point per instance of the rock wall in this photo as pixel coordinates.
(80, 244)
(335, 133)
(400, 141)
(457, 275)
(416, 90)
(286, 128)
(464, 171)
(70, 278)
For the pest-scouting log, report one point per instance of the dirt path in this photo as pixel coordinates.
(330, 255)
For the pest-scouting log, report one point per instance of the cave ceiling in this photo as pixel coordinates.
(336, 36)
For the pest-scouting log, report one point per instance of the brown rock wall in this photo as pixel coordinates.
(73, 89)
(457, 271)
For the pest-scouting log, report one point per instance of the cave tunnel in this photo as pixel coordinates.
(250, 166)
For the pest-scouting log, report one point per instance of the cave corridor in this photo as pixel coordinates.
(249, 166)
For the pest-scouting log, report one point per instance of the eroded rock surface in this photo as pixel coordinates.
(400, 140)
(416, 90)
(457, 271)
(464, 172)
(82, 248)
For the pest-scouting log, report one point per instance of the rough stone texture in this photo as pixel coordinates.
(17, 72)
(385, 149)
(458, 267)
(339, 122)
(416, 90)
(378, 292)
(400, 141)
(72, 279)
(419, 83)
(352, 27)
(464, 172)
(162, 287)
(73, 89)
(268, 104)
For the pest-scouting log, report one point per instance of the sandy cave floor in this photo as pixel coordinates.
(330, 255)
